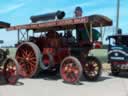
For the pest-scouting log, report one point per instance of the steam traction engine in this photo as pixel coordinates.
(8, 66)
(118, 54)
(49, 50)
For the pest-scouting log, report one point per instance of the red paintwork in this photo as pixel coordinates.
(27, 57)
(95, 19)
(50, 24)
(97, 45)
(120, 62)
(58, 54)
(52, 45)
(9, 73)
(69, 71)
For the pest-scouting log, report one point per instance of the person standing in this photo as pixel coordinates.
(78, 12)
(81, 33)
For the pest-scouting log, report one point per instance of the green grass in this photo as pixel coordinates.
(101, 54)
(12, 51)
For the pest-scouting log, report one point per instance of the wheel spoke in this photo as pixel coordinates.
(19, 58)
(70, 71)
(93, 73)
(32, 59)
(92, 68)
(27, 57)
(30, 54)
(11, 71)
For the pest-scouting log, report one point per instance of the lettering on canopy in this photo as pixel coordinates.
(50, 24)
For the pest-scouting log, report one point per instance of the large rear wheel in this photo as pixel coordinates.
(92, 68)
(28, 56)
(11, 71)
(71, 70)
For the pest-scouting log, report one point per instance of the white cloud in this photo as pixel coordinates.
(10, 8)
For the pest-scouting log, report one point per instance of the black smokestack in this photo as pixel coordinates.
(48, 16)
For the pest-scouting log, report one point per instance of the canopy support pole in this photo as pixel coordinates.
(101, 31)
(27, 34)
(33, 34)
(87, 30)
(18, 35)
(91, 34)
(22, 36)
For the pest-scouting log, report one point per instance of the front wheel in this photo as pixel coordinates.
(71, 70)
(11, 71)
(92, 68)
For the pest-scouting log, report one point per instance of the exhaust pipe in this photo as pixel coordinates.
(48, 16)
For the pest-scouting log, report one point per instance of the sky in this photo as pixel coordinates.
(18, 12)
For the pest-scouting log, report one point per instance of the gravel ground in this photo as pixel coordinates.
(107, 85)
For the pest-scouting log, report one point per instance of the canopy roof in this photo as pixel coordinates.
(116, 36)
(4, 24)
(95, 20)
(123, 39)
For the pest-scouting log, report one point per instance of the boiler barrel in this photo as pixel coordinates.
(48, 16)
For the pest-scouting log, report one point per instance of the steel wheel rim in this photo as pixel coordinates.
(70, 71)
(27, 60)
(11, 71)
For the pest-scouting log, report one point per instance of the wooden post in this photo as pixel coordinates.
(91, 34)
(87, 30)
(18, 36)
(27, 34)
(101, 31)
(117, 17)
(33, 33)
